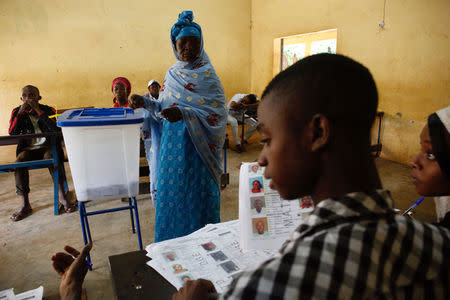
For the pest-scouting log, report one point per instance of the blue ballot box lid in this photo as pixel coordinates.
(99, 117)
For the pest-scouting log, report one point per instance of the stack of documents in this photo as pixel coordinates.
(35, 294)
(212, 253)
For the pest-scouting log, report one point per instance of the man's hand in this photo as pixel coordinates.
(34, 106)
(200, 289)
(172, 114)
(24, 108)
(73, 268)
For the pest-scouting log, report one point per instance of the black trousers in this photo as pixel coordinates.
(22, 176)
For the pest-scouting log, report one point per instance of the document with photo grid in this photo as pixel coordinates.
(266, 220)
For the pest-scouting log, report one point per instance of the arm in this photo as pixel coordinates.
(236, 106)
(16, 123)
(253, 105)
(154, 107)
(50, 124)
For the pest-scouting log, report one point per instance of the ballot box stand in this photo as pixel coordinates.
(132, 206)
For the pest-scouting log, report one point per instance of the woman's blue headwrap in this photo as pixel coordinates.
(185, 27)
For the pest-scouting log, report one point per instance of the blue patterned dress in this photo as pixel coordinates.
(188, 153)
(187, 195)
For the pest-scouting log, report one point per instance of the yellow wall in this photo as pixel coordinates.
(409, 58)
(72, 50)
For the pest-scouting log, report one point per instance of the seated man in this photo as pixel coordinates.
(32, 117)
(238, 104)
(153, 90)
(315, 121)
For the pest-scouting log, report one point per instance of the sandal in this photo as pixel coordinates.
(21, 214)
(69, 209)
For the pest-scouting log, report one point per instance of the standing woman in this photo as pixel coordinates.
(121, 88)
(192, 136)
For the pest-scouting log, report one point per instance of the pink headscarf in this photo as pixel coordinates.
(123, 81)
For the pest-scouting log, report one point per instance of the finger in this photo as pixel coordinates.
(188, 283)
(80, 262)
(63, 257)
(74, 252)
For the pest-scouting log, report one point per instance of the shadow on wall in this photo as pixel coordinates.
(400, 137)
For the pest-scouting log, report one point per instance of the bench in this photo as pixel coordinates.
(38, 164)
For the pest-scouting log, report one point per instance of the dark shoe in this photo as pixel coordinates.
(239, 149)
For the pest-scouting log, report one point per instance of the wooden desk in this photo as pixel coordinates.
(134, 279)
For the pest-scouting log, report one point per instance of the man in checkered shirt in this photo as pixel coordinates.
(315, 121)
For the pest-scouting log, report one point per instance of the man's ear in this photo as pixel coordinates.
(320, 127)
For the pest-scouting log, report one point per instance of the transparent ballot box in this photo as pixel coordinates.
(103, 150)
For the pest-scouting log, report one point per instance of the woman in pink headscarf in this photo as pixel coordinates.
(121, 88)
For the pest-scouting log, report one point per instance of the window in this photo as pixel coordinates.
(288, 50)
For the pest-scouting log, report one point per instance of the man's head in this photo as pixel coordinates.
(258, 204)
(319, 108)
(30, 92)
(154, 87)
(249, 99)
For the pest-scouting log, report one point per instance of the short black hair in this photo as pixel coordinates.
(334, 85)
(29, 86)
(252, 98)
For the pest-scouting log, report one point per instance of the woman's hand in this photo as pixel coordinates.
(136, 101)
(172, 114)
(72, 268)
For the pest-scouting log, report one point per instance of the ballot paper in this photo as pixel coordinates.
(7, 294)
(220, 252)
(266, 220)
(212, 253)
(35, 294)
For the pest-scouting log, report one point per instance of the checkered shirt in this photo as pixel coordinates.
(354, 247)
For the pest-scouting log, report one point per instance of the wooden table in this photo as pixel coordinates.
(134, 279)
